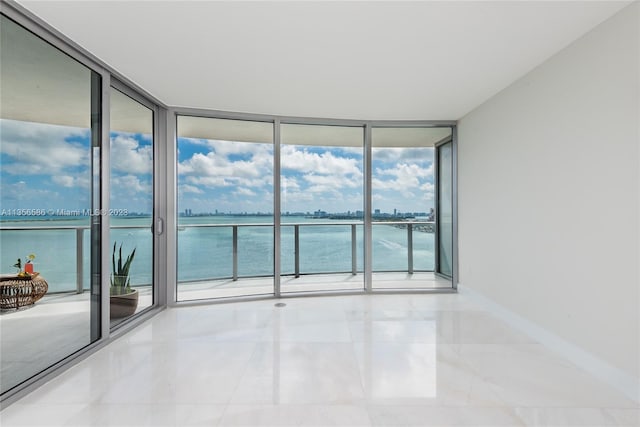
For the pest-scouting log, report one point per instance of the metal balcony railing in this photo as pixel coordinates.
(410, 227)
(80, 229)
(79, 246)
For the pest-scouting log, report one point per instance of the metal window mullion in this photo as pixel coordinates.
(171, 181)
(296, 250)
(410, 248)
(161, 204)
(454, 207)
(160, 189)
(80, 260)
(354, 250)
(105, 193)
(368, 241)
(436, 228)
(234, 232)
(276, 208)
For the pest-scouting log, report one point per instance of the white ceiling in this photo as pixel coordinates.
(361, 60)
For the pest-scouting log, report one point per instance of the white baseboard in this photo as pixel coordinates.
(611, 375)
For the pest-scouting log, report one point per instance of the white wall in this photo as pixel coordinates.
(549, 195)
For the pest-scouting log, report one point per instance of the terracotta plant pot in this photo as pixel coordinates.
(123, 305)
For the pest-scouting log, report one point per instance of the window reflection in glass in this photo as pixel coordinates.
(131, 207)
(48, 222)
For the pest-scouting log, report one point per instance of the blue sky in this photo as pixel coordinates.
(132, 172)
(43, 166)
(48, 167)
(238, 177)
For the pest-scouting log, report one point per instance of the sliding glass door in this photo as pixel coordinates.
(50, 203)
(444, 213)
(131, 206)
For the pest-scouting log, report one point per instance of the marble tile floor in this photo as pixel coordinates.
(381, 360)
(33, 338)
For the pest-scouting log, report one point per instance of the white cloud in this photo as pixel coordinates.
(22, 192)
(406, 177)
(128, 156)
(427, 186)
(428, 195)
(325, 163)
(70, 181)
(406, 155)
(37, 148)
(320, 189)
(209, 181)
(129, 185)
(332, 182)
(244, 192)
(186, 188)
(216, 168)
(289, 183)
(215, 165)
(226, 148)
(64, 180)
(295, 197)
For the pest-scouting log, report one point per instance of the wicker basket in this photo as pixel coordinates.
(16, 292)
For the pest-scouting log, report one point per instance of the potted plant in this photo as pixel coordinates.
(123, 298)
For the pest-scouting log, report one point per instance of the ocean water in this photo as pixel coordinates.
(207, 252)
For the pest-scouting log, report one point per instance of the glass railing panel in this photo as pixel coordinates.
(255, 251)
(325, 249)
(424, 247)
(390, 247)
(55, 255)
(287, 249)
(206, 253)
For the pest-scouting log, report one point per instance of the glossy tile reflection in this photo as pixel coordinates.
(353, 360)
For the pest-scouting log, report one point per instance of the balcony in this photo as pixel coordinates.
(303, 256)
(66, 307)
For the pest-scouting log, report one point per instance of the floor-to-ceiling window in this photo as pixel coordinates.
(131, 206)
(403, 199)
(321, 182)
(225, 186)
(50, 223)
(225, 208)
(444, 262)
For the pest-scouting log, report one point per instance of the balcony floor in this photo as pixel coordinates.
(309, 283)
(356, 360)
